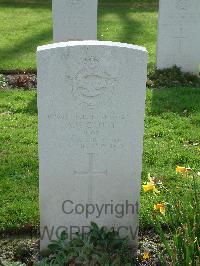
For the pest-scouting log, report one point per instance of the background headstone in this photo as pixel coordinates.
(91, 102)
(74, 20)
(179, 35)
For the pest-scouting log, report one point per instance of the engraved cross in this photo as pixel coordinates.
(180, 38)
(90, 172)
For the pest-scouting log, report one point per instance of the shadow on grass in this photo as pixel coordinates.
(19, 3)
(181, 101)
(124, 28)
(26, 3)
(123, 24)
(176, 100)
(129, 27)
(25, 45)
(31, 107)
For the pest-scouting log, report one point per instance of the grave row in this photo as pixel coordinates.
(91, 103)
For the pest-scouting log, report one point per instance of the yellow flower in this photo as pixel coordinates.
(182, 169)
(160, 207)
(150, 186)
(146, 255)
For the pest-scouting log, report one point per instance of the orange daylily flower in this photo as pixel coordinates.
(182, 169)
(146, 255)
(160, 207)
(150, 186)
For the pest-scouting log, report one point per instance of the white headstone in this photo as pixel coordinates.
(91, 102)
(74, 20)
(179, 35)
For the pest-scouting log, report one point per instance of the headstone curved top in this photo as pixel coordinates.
(179, 35)
(74, 20)
(91, 102)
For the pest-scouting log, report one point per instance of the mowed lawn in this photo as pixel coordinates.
(26, 24)
(172, 122)
(172, 137)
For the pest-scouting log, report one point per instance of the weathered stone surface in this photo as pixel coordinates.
(74, 20)
(91, 102)
(179, 35)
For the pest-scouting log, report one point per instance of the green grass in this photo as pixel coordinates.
(26, 24)
(172, 137)
(172, 123)
(18, 159)
(172, 129)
